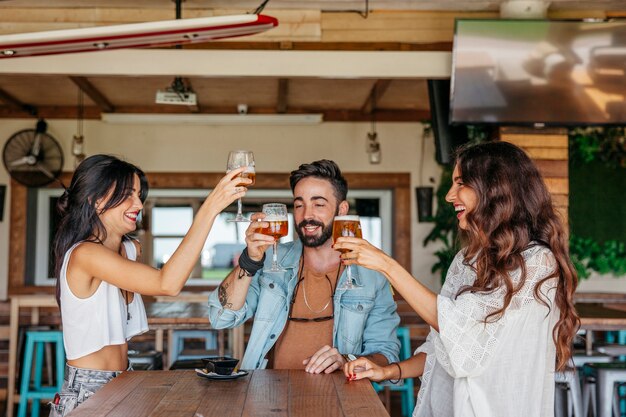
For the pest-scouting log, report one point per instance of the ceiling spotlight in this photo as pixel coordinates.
(524, 9)
(242, 108)
(8, 52)
(101, 45)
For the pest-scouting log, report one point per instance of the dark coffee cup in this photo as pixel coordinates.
(221, 365)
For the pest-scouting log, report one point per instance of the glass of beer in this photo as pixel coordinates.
(237, 159)
(276, 216)
(347, 226)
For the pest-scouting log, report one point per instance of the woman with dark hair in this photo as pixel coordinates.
(99, 283)
(504, 320)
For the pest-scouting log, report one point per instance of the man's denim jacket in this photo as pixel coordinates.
(365, 318)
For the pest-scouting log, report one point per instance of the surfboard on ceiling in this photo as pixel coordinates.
(134, 35)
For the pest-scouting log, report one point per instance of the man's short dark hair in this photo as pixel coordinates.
(323, 169)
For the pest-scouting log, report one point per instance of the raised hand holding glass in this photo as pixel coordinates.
(238, 159)
(277, 218)
(347, 226)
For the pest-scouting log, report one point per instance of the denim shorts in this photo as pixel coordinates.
(79, 385)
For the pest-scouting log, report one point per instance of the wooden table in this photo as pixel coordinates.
(596, 316)
(599, 317)
(280, 393)
(161, 316)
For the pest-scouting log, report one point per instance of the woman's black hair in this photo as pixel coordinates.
(97, 178)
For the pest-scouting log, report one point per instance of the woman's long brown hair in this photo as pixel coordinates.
(514, 208)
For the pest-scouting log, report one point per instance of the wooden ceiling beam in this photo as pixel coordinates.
(386, 115)
(283, 91)
(51, 112)
(93, 93)
(324, 46)
(329, 115)
(14, 104)
(378, 90)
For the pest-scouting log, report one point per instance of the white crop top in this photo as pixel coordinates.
(89, 324)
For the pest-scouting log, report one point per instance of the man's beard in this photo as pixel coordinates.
(314, 241)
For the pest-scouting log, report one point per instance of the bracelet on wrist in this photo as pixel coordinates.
(400, 373)
(249, 265)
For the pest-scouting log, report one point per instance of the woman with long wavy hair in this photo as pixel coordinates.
(99, 283)
(504, 320)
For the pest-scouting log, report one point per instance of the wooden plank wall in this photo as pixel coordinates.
(405, 26)
(548, 148)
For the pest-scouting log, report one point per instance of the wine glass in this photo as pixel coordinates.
(276, 216)
(347, 226)
(237, 159)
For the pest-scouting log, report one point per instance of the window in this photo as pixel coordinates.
(39, 265)
(172, 211)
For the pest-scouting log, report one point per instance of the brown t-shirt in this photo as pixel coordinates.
(300, 340)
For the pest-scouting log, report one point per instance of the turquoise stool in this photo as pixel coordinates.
(619, 337)
(406, 385)
(34, 348)
(178, 343)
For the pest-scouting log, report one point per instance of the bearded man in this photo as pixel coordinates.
(303, 318)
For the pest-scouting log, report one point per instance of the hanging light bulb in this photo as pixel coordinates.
(373, 148)
(78, 141)
(373, 145)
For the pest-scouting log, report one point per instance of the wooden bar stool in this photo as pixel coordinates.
(35, 341)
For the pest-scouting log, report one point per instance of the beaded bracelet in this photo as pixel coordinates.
(399, 376)
(248, 264)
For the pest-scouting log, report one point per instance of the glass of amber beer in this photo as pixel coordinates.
(347, 226)
(276, 216)
(237, 159)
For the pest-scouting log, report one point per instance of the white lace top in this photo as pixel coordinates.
(502, 368)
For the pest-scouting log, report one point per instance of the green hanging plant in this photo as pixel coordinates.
(605, 144)
(588, 256)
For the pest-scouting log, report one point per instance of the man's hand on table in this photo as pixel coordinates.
(327, 360)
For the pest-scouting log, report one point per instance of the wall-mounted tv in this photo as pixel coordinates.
(531, 72)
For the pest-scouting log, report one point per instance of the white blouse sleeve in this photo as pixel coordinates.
(465, 344)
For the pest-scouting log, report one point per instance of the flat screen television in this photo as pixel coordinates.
(535, 72)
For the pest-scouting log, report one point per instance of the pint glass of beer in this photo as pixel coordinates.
(237, 159)
(347, 226)
(276, 216)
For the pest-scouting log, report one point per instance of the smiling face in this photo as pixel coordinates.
(314, 208)
(122, 219)
(463, 197)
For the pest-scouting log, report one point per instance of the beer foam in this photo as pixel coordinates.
(351, 218)
(249, 169)
(275, 218)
